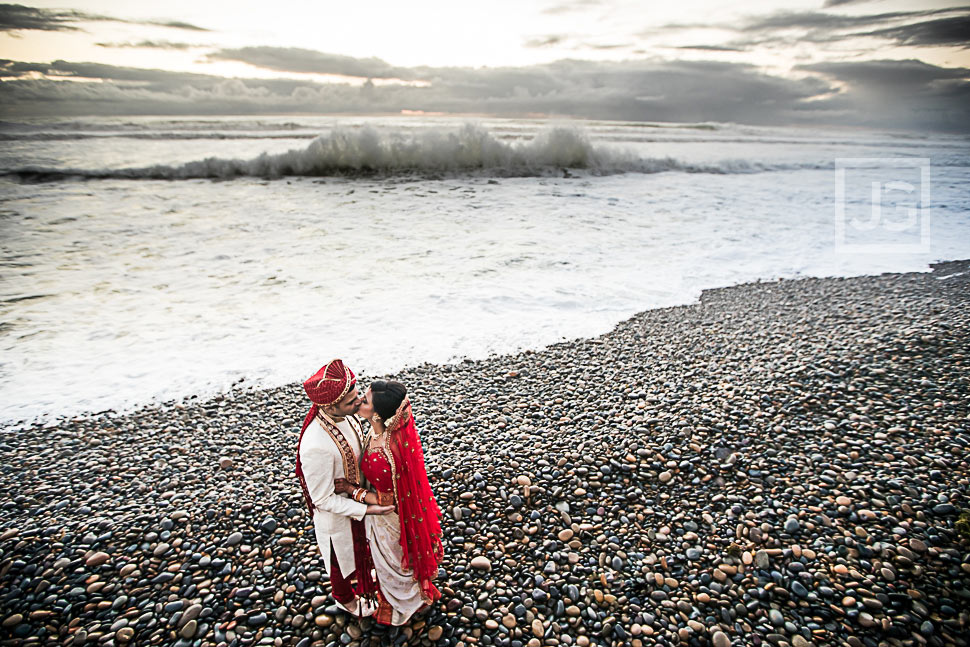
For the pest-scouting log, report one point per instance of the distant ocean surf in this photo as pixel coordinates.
(130, 277)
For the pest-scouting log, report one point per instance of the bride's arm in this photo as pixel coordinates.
(356, 492)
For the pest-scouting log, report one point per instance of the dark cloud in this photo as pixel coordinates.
(882, 92)
(817, 21)
(635, 90)
(889, 94)
(174, 24)
(711, 48)
(839, 3)
(15, 17)
(891, 75)
(606, 46)
(544, 41)
(150, 44)
(942, 31)
(293, 59)
(928, 27)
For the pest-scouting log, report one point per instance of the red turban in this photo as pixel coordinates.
(330, 384)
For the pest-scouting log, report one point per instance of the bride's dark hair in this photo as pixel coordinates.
(388, 396)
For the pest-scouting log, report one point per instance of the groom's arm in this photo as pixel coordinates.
(319, 470)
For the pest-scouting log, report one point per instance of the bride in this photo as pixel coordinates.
(405, 547)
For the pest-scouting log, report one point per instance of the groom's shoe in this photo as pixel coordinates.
(366, 607)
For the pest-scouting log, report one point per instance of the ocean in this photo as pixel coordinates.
(152, 259)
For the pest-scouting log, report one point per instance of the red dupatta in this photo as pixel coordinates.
(417, 509)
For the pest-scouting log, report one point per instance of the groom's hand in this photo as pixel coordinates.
(379, 509)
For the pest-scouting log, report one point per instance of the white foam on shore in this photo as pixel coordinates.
(125, 292)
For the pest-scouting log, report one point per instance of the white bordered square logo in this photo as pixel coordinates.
(882, 205)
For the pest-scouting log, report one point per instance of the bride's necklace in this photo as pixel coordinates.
(376, 436)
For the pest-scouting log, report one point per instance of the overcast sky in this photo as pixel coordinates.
(877, 63)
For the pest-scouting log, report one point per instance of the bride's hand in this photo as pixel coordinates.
(342, 486)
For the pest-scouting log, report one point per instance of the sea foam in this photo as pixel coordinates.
(469, 150)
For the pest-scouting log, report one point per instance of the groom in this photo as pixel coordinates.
(330, 447)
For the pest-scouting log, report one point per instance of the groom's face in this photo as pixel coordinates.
(350, 404)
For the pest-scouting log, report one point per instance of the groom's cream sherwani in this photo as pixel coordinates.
(325, 456)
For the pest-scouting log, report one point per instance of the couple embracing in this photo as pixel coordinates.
(375, 518)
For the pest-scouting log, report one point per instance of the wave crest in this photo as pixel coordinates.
(470, 150)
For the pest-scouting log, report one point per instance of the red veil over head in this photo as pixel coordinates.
(416, 506)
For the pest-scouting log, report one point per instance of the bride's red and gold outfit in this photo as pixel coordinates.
(405, 547)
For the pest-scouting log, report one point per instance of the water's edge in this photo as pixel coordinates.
(942, 270)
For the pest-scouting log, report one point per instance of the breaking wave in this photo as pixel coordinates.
(161, 136)
(470, 150)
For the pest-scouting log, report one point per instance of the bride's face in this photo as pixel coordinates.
(367, 406)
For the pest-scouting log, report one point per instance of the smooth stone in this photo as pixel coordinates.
(188, 630)
(190, 614)
(761, 560)
(13, 620)
(481, 562)
(97, 559)
(537, 629)
(720, 639)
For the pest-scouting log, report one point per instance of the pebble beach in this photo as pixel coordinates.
(782, 463)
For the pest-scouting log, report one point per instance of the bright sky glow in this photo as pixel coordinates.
(441, 33)
(764, 61)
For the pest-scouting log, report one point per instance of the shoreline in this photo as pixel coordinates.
(784, 460)
(241, 387)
